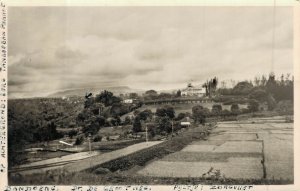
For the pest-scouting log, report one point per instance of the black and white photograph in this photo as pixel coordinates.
(150, 95)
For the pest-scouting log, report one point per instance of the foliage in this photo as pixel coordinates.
(178, 93)
(116, 121)
(199, 114)
(119, 109)
(180, 116)
(242, 88)
(97, 138)
(107, 98)
(127, 120)
(79, 140)
(211, 86)
(72, 133)
(271, 102)
(146, 114)
(259, 94)
(137, 126)
(216, 109)
(133, 95)
(235, 108)
(285, 107)
(151, 93)
(164, 124)
(165, 111)
(253, 106)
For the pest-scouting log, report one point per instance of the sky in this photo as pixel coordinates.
(60, 48)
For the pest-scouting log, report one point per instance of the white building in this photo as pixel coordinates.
(191, 90)
(128, 101)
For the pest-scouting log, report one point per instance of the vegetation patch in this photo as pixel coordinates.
(207, 156)
(158, 151)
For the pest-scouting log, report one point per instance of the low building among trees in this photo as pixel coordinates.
(191, 90)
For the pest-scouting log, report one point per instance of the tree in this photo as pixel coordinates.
(263, 80)
(151, 93)
(223, 84)
(164, 124)
(216, 109)
(165, 111)
(127, 120)
(211, 86)
(118, 109)
(89, 102)
(79, 140)
(271, 102)
(178, 93)
(242, 88)
(256, 81)
(72, 133)
(137, 126)
(180, 116)
(107, 98)
(235, 108)
(146, 114)
(133, 95)
(253, 106)
(259, 94)
(199, 114)
(115, 121)
(271, 84)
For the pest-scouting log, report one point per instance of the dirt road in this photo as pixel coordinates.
(80, 161)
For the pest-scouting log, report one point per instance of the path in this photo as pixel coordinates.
(82, 161)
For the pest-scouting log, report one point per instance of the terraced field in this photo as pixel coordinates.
(260, 148)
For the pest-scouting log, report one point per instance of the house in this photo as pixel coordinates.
(185, 122)
(128, 101)
(191, 90)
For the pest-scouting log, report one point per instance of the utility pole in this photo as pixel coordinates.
(146, 133)
(90, 148)
(172, 129)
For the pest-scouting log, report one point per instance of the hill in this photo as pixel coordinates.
(116, 90)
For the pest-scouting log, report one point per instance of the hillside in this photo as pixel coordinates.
(82, 91)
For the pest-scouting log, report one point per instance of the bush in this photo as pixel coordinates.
(216, 109)
(235, 108)
(79, 140)
(137, 126)
(253, 106)
(180, 116)
(72, 133)
(166, 111)
(200, 113)
(98, 138)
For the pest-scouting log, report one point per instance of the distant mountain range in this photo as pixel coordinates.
(117, 90)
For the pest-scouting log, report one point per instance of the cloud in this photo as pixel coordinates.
(54, 48)
(67, 53)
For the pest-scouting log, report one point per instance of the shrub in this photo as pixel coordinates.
(180, 116)
(253, 106)
(216, 109)
(235, 108)
(79, 140)
(166, 111)
(200, 113)
(137, 126)
(98, 138)
(72, 133)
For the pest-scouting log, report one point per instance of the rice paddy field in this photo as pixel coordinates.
(259, 148)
